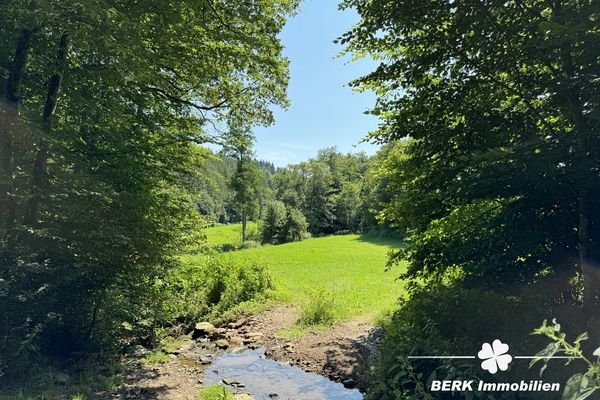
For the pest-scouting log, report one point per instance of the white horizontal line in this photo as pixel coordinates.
(441, 356)
(473, 357)
(549, 357)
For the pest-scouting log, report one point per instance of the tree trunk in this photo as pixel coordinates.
(9, 113)
(244, 222)
(38, 178)
(590, 271)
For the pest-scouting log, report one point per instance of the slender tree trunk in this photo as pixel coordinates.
(38, 178)
(589, 270)
(9, 113)
(244, 222)
(93, 321)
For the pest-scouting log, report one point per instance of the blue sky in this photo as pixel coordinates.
(324, 111)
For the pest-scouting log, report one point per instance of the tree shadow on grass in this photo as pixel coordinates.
(381, 239)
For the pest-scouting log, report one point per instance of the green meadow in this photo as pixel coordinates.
(347, 269)
(228, 234)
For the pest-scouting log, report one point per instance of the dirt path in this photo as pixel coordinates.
(342, 353)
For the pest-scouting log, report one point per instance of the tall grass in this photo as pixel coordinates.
(319, 310)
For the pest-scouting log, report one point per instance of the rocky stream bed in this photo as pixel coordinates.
(252, 359)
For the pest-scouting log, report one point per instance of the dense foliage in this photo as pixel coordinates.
(283, 224)
(501, 102)
(498, 183)
(212, 186)
(336, 192)
(490, 163)
(331, 193)
(102, 104)
(207, 287)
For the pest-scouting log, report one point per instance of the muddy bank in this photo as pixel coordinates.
(343, 353)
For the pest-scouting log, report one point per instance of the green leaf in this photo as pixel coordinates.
(545, 354)
(578, 388)
(543, 369)
(431, 378)
(572, 388)
(587, 393)
(582, 337)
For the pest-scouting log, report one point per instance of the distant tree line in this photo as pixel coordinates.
(331, 193)
(213, 187)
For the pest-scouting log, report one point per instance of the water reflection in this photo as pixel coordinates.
(262, 377)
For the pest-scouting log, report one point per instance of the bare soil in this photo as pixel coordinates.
(343, 352)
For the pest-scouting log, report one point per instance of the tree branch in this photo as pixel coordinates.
(175, 99)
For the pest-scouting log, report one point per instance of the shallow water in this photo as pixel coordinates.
(262, 377)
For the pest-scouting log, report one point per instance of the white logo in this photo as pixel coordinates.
(494, 357)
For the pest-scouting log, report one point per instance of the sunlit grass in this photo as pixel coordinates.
(215, 392)
(155, 358)
(228, 234)
(351, 268)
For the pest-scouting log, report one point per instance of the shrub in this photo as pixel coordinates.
(283, 224)
(579, 386)
(87, 285)
(220, 283)
(232, 282)
(155, 357)
(452, 319)
(295, 227)
(253, 233)
(225, 247)
(319, 310)
(184, 292)
(273, 222)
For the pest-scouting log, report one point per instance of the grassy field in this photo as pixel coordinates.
(228, 234)
(348, 268)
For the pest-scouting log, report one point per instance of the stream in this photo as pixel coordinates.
(268, 379)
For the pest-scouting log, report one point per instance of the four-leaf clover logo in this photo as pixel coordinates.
(494, 357)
